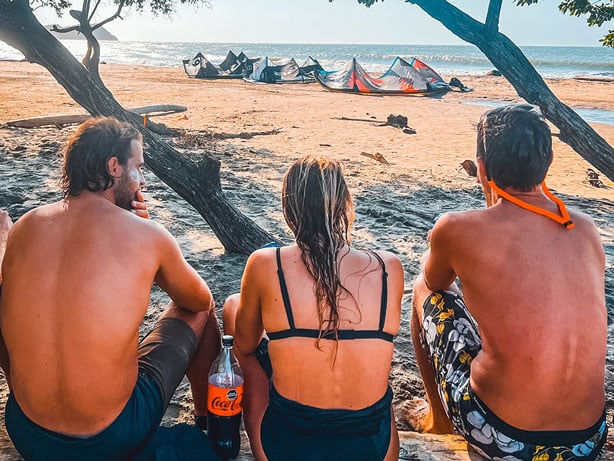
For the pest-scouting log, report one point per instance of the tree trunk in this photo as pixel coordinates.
(517, 69)
(91, 60)
(197, 182)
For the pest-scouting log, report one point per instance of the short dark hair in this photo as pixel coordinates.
(515, 144)
(87, 152)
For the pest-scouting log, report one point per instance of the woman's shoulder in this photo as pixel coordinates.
(266, 257)
(387, 256)
(261, 256)
(392, 265)
(368, 261)
(390, 259)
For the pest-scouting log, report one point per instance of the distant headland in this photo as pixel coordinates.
(100, 34)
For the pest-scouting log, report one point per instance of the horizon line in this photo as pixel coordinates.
(326, 43)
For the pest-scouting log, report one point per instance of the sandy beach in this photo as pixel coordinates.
(257, 130)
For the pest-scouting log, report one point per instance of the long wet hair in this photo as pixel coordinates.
(87, 152)
(516, 145)
(319, 211)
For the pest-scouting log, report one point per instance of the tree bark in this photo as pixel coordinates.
(197, 182)
(91, 60)
(517, 69)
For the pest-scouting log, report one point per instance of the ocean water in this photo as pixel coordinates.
(590, 115)
(550, 61)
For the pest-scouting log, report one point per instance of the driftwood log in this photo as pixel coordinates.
(470, 167)
(591, 78)
(60, 120)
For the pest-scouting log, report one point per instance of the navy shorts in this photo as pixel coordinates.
(165, 353)
(136, 433)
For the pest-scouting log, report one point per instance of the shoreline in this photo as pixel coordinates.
(460, 60)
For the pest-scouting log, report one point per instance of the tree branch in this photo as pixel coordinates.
(63, 30)
(94, 10)
(111, 18)
(466, 27)
(527, 82)
(492, 18)
(86, 10)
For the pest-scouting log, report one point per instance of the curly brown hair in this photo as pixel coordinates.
(87, 152)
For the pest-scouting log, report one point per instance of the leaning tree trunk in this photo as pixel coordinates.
(197, 182)
(517, 69)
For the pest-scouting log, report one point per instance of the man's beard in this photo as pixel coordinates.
(123, 193)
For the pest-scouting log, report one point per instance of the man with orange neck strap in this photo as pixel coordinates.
(529, 383)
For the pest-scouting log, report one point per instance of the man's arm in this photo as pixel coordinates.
(175, 275)
(437, 260)
(5, 225)
(178, 278)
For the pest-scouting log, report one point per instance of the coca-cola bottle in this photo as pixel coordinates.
(224, 409)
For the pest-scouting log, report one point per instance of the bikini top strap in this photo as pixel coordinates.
(284, 291)
(384, 301)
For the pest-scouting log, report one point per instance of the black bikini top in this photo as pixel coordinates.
(342, 334)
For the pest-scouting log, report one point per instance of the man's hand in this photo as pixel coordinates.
(5, 225)
(138, 205)
(5, 221)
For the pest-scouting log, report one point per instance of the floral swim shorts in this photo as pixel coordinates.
(450, 337)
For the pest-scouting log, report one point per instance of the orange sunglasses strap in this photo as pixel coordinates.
(564, 219)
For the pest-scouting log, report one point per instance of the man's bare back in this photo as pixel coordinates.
(528, 282)
(77, 276)
(515, 362)
(95, 264)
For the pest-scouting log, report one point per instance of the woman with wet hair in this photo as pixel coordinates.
(313, 328)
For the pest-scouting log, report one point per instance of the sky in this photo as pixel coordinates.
(343, 21)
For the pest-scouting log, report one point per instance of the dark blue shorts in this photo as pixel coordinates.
(136, 433)
(451, 339)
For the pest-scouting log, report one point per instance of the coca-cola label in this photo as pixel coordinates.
(224, 401)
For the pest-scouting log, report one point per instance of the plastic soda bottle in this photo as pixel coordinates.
(224, 409)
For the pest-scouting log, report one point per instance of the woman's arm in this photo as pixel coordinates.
(248, 332)
(249, 327)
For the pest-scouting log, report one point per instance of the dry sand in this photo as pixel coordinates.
(396, 203)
